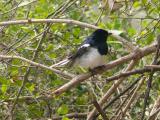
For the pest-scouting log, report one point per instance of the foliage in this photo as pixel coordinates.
(138, 19)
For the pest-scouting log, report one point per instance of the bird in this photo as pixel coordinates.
(91, 53)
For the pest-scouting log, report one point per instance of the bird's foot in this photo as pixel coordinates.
(95, 70)
(92, 71)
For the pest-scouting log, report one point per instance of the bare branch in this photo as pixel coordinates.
(155, 110)
(122, 93)
(150, 79)
(135, 56)
(110, 91)
(126, 43)
(30, 21)
(115, 33)
(80, 78)
(18, 6)
(66, 75)
(72, 115)
(132, 98)
(153, 66)
(100, 110)
(141, 18)
(148, 68)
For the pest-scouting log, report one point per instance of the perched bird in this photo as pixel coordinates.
(91, 53)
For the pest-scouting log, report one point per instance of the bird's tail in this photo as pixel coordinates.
(61, 63)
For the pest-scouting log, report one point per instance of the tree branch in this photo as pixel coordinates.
(155, 110)
(30, 21)
(109, 92)
(72, 115)
(149, 81)
(80, 78)
(132, 98)
(115, 33)
(65, 75)
(148, 68)
(97, 106)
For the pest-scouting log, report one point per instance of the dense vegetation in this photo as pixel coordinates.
(30, 89)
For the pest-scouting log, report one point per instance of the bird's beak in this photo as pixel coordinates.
(109, 33)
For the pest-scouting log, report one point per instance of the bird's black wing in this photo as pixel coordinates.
(83, 48)
(71, 59)
(81, 51)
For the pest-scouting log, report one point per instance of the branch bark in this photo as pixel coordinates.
(80, 78)
(115, 33)
(155, 110)
(97, 106)
(131, 99)
(149, 68)
(65, 75)
(72, 115)
(30, 21)
(110, 91)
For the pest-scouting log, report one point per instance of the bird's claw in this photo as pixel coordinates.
(95, 70)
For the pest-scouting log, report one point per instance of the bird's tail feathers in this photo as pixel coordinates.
(61, 63)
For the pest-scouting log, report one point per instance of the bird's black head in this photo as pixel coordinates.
(100, 35)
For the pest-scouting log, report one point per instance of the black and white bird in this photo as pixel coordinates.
(91, 53)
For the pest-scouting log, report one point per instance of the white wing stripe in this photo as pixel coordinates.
(85, 45)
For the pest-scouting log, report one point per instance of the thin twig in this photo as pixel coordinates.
(30, 21)
(72, 115)
(63, 74)
(18, 6)
(141, 18)
(132, 98)
(122, 93)
(35, 54)
(149, 81)
(80, 78)
(110, 91)
(99, 109)
(115, 34)
(148, 68)
(123, 103)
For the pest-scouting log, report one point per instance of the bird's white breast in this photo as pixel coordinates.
(91, 59)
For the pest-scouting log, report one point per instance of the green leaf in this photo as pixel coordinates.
(65, 118)
(150, 38)
(26, 3)
(14, 72)
(50, 47)
(144, 1)
(81, 100)
(3, 88)
(31, 87)
(76, 31)
(131, 31)
(136, 4)
(52, 55)
(4, 80)
(117, 24)
(63, 109)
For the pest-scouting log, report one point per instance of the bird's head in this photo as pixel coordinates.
(100, 35)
